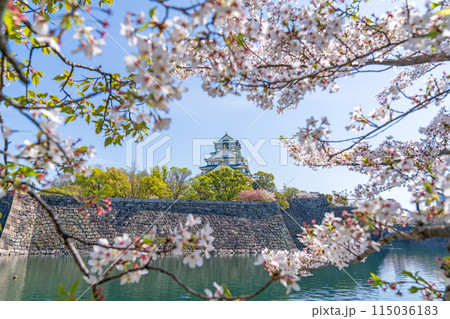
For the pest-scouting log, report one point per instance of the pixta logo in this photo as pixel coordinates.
(153, 151)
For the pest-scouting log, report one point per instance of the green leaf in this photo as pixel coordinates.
(226, 291)
(375, 277)
(422, 280)
(108, 141)
(407, 273)
(27, 32)
(377, 281)
(434, 5)
(68, 6)
(35, 78)
(74, 287)
(413, 289)
(60, 77)
(99, 125)
(152, 12)
(145, 25)
(62, 291)
(70, 118)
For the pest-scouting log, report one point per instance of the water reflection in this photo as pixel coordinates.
(39, 277)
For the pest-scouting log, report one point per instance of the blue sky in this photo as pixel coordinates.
(197, 116)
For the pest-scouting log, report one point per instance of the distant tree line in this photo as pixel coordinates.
(159, 182)
(173, 183)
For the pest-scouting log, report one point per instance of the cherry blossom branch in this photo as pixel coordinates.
(11, 59)
(187, 288)
(409, 61)
(419, 233)
(5, 140)
(81, 66)
(4, 133)
(4, 47)
(64, 59)
(184, 10)
(77, 200)
(161, 270)
(66, 236)
(322, 73)
(417, 107)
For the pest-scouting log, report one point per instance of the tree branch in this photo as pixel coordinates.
(428, 58)
(4, 47)
(67, 238)
(187, 288)
(419, 233)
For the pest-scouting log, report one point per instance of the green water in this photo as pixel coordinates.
(39, 277)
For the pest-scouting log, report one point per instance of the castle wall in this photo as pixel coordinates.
(239, 227)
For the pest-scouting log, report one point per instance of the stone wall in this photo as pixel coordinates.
(305, 210)
(239, 227)
(5, 207)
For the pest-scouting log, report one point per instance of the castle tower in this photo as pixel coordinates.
(227, 154)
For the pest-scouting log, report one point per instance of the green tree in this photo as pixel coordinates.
(152, 186)
(135, 178)
(113, 182)
(281, 200)
(290, 192)
(221, 184)
(70, 190)
(264, 180)
(91, 184)
(178, 181)
(160, 171)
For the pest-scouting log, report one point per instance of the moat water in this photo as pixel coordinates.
(38, 277)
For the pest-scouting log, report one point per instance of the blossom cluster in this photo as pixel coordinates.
(434, 92)
(266, 47)
(337, 241)
(289, 266)
(257, 195)
(48, 152)
(420, 166)
(132, 256)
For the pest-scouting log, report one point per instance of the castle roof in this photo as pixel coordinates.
(227, 154)
(226, 137)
